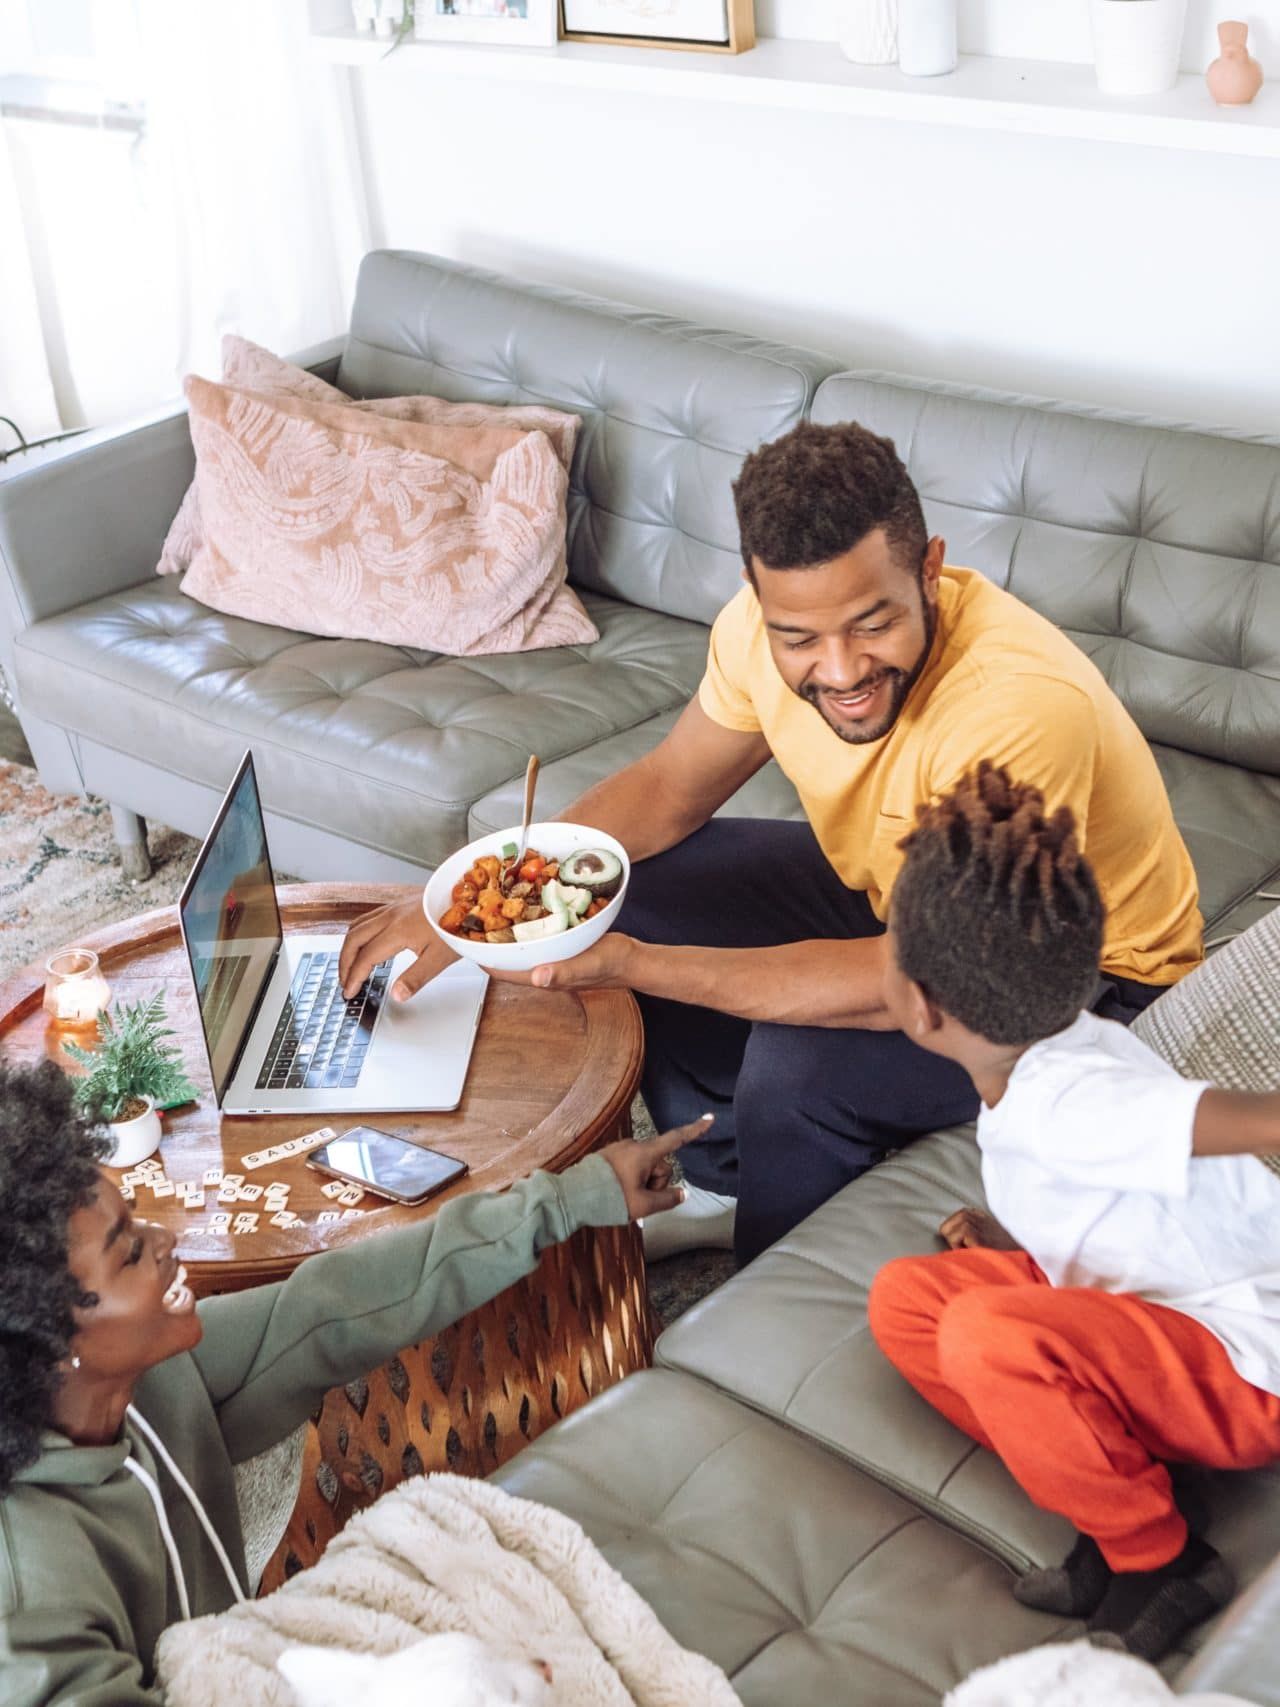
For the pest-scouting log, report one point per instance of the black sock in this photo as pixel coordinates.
(1145, 1612)
(1072, 1589)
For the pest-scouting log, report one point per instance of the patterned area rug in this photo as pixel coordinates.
(60, 879)
(59, 875)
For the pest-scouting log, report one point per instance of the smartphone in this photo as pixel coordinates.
(386, 1165)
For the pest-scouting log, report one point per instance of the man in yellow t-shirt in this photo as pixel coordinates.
(876, 676)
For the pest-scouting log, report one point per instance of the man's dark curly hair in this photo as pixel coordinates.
(816, 492)
(996, 912)
(49, 1157)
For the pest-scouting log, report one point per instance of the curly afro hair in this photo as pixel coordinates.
(49, 1156)
(813, 494)
(996, 913)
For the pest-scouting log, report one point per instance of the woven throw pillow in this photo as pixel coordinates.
(446, 538)
(247, 364)
(1222, 1022)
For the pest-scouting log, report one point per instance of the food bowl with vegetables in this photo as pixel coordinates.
(513, 913)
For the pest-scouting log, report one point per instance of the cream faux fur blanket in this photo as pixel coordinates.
(447, 1553)
(1073, 1674)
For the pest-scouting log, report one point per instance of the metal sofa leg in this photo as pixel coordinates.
(131, 839)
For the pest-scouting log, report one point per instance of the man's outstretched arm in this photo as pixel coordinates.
(648, 806)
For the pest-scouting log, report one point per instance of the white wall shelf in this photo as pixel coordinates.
(1025, 96)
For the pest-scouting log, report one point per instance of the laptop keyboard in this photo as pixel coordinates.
(321, 1039)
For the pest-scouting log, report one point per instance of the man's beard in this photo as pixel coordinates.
(900, 683)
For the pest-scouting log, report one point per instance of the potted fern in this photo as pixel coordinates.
(128, 1074)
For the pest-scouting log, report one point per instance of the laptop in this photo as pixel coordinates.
(280, 1037)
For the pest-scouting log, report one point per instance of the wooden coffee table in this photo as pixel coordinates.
(552, 1078)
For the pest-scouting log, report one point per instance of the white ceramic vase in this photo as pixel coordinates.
(927, 37)
(869, 35)
(1137, 44)
(134, 1140)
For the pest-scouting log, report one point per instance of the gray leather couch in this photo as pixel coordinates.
(772, 1488)
(1155, 548)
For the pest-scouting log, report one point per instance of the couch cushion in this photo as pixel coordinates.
(1230, 821)
(804, 1579)
(387, 746)
(1157, 550)
(789, 1336)
(669, 410)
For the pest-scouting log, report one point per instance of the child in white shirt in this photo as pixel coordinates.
(1130, 1319)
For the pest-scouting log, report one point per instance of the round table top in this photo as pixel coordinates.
(551, 1075)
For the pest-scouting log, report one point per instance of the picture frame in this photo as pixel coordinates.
(495, 23)
(695, 26)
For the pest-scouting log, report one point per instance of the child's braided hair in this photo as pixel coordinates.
(996, 912)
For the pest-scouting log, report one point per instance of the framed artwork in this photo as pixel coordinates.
(499, 23)
(706, 26)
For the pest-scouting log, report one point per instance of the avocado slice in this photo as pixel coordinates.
(593, 869)
(574, 902)
(550, 924)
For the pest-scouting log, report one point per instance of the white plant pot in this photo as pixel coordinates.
(1137, 44)
(869, 35)
(134, 1140)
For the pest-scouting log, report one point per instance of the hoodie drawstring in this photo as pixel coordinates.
(162, 1518)
(149, 1483)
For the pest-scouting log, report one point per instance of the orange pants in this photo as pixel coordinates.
(1081, 1393)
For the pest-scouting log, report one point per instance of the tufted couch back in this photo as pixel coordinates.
(668, 410)
(1156, 549)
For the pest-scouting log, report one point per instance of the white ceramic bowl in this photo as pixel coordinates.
(553, 841)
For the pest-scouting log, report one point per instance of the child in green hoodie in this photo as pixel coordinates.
(124, 1404)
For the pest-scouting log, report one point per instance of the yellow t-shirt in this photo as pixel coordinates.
(1001, 683)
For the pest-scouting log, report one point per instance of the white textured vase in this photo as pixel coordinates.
(869, 35)
(1137, 44)
(927, 37)
(134, 1140)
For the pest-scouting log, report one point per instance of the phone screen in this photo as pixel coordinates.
(387, 1164)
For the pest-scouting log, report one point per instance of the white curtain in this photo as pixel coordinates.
(240, 207)
(26, 388)
(252, 155)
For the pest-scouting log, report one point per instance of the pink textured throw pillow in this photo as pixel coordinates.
(445, 537)
(247, 364)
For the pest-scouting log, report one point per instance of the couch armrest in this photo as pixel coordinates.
(1242, 1657)
(92, 520)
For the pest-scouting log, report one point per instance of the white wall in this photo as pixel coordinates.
(1131, 277)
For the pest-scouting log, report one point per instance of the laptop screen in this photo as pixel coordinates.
(231, 924)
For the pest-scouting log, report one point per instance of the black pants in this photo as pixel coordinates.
(800, 1110)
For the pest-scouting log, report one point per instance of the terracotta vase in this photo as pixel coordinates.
(1234, 78)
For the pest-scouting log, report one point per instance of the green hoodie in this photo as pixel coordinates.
(85, 1581)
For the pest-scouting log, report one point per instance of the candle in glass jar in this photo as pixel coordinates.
(75, 992)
